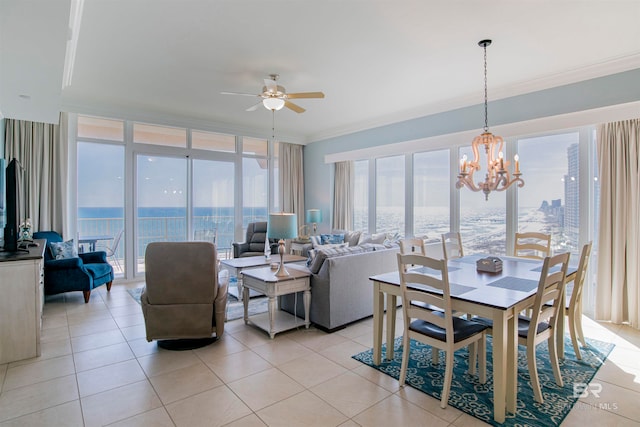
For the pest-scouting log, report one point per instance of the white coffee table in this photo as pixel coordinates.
(265, 281)
(236, 266)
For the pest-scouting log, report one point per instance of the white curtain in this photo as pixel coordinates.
(42, 150)
(343, 196)
(618, 279)
(292, 180)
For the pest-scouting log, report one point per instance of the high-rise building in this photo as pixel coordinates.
(571, 197)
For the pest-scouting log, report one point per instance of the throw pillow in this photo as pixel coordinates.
(61, 250)
(315, 241)
(378, 238)
(350, 237)
(331, 238)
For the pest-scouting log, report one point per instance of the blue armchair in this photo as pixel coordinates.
(84, 273)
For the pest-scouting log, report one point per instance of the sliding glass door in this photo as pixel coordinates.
(161, 202)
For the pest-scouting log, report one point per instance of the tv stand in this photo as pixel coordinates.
(22, 291)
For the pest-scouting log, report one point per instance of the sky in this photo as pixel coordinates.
(162, 181)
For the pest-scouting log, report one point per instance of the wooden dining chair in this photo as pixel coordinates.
(542, 325)
(573, 305)
(452, 245)
(439, 329)
(412, 246)
(532, 245)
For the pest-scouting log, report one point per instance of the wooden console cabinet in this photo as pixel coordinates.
(21, 301)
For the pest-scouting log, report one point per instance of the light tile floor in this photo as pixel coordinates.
(97, 369)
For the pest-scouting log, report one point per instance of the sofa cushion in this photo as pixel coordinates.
(62, 250)
(323, 254)
(372, 238)
(350, 237)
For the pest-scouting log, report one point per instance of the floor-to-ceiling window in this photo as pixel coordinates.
(164, 183)
(255, 180)
(361, 195)
(161, 200)
(213, 210)
(549, 202)
(431, 189)
(390, 206)
(100, 186)
(560, 195)
(482, 221)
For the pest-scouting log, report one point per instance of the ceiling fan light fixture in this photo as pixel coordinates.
(273, 103)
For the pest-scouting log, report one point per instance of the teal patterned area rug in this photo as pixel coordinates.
(476, 399)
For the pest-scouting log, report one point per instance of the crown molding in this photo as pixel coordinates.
(610, 67)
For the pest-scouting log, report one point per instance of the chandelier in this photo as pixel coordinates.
(497, 177)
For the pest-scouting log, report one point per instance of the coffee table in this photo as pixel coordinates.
(265, 281)
(236, 266)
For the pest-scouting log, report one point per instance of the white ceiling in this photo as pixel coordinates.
(376, 61)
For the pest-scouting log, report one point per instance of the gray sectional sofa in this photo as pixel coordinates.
(341, 292)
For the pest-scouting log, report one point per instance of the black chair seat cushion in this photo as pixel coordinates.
(523, 325)
(462, 329)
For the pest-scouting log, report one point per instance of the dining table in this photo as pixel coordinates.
(498, 296)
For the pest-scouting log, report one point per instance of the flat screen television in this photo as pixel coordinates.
(12, 205)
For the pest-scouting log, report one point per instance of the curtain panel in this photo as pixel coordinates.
(291, 182)
(42, 150)
(618, 276)
(343, 196)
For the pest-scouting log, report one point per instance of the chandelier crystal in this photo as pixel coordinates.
(498, 177)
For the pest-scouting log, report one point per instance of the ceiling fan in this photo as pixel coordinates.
(275, 97)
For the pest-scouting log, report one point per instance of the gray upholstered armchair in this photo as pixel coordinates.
(184, 301)
(253, 244)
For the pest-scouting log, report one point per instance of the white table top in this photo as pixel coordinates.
(256, 261)
(268, 275)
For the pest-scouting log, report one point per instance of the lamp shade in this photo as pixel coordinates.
(282, 226)
(273, 103)
(314, 215)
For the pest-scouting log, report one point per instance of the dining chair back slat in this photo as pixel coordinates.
(452, 245)
(532, 245)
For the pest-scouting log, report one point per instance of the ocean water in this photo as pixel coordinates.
(166, 223)
(483, 229)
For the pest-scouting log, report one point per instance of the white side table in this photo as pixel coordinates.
(265, 281)
(236, 266)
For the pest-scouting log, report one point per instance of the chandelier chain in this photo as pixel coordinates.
(486, 108)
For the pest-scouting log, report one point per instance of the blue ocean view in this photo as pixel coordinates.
(155, 212)
(166, 223)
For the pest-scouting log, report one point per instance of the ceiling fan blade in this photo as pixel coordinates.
(305, 95)
(238, 93)
(294, 107)
(271, 85)
(254, 107)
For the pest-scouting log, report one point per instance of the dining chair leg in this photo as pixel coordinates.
(406, 348)
(573, 332)
(435, 355)
(533, 372)
(578, 321)
(448, 377)
(553, 353)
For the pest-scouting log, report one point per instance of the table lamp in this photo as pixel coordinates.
(314, 216)
(282, 226)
